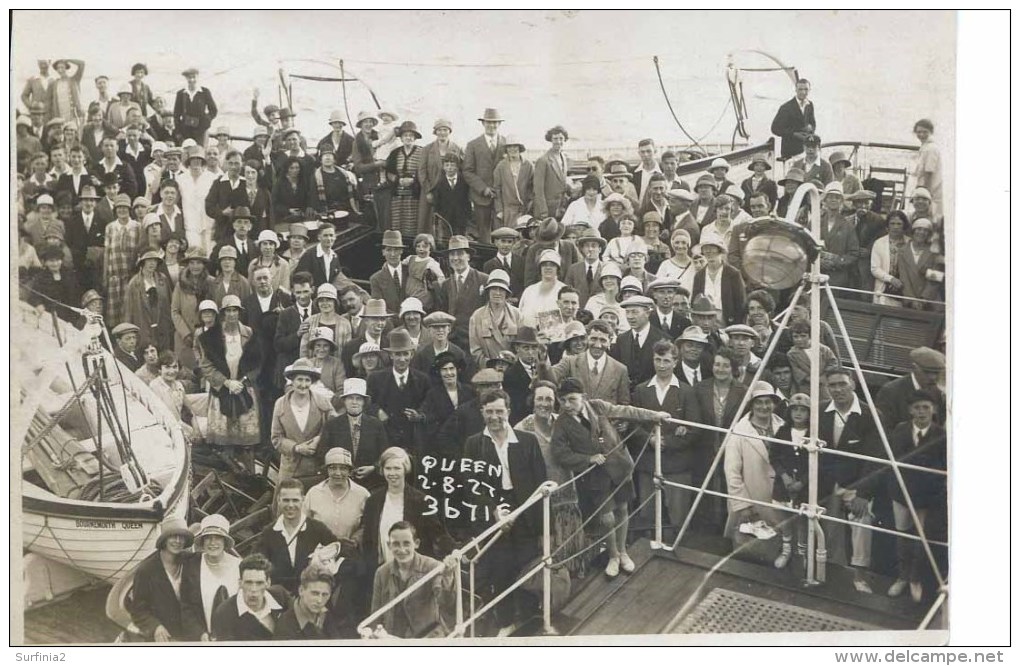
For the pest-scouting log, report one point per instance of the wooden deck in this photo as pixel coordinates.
(78, 619)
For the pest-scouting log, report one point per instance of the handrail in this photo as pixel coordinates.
(459, 629)
(459, 553)
(838, 452)
(878, 293)
(593, 465)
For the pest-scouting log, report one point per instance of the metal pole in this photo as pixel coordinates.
(657, 543)
(547, 627)
(459, 578)
(471, 582)
(816, 333)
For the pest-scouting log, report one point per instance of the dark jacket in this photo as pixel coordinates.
(337, 624)
(789, 119)
(372, 442)
(137, 164)
(220, 197)
(311, 262)
(679, 454)
(926, 489)
(192, 606)
(465, 421)
(227, 625)
(733, 293)
(265, 325)
(639, 363)
(287, 197)
(435, 541)
(214, 351)
(438, 408)
(153, 601)
(453, 204)
(273, 545)
(286, 341)
(859, 436)
(382, 285)
(463, 303)
(132, 363)
(343, 153)
(893, 402)
(336, 192)
(194, 116)
(767, 186)
(382, 386)
(243, 258)
(677, 324)
(706, 399)
(527, 473)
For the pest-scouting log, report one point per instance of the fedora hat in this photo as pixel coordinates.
(411, 304)
(693, 334)
(124, 328)
(231, 301)
(526, 335)
(260, 131)
(759, 159)
(619, 169)
(365, 115)
(590, 235)
(491, 115)
(302, 366)
(365, 349)
(339, 455)
(214, 525)
(392, 238)
(549, 230)
(399, 341)
(703, 305)
(89, 296)
(324, 333)
(408, 126)
(88, 192)
(442, 122)
(795, 175)
(326, 290)
(374, 307)
(240, 213)
(459, 243)
(174, 527)
(498, 279)
(227, 252)
(337, 117)
(439, 318)
(706, 179)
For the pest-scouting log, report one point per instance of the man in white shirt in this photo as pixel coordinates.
(252, 613)
(644, 171)
(693, 367)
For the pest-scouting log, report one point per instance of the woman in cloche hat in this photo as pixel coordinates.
(155, 603)
(402, 173)
(297, 441)
(210, 577)
(328, 303)
(147, 302)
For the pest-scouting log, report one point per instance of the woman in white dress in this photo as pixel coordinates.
(194, 186)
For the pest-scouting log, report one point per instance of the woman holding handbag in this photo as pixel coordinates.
(231, 358)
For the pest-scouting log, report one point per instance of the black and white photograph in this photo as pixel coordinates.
(498, 327)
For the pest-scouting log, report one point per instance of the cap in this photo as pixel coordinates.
(124, 327)
(741, 329)
(928, 359)
(487, 376)
(439, 318)
(637, 301)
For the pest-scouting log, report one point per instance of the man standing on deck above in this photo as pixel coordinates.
(194, 108)
(481, 155)
(795, 120)
(648, 167)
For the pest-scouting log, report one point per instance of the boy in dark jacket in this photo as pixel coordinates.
(451, 195)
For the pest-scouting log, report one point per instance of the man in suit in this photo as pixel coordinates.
(481, 155)
(462, 293)
(586, 275)
(814, 166)
(252, 613)
(86, 237)
(795, 120)
(842, 249)
(601, 376)
(695, 364)
(663, 291)
(927, 373)
(634, 347)
(399, 392)
(848, 485)
(452, 196)
(518, 377)
(665, 393)
(514, 469)
(504, 239)
(363, 435)
(551, 176)
(322, 262)
(227, 193)
(239, 240)
(194, 108)
(261, 311)
(135, 155)
(376, 319)
(125, 338)
(644, 171)
(291, 324)
(389, 283)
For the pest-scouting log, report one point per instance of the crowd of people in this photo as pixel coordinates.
(614, 302)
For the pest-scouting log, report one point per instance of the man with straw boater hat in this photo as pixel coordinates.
(399, 391)
(481, 155)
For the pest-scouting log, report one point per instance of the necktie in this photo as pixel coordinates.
(595, 370)
(355, 437)
(401, 382)
(585, 422)
(304, 314)
(591, 275)
(244, 248)
(506, 264)
(637, 340)
(396, 278)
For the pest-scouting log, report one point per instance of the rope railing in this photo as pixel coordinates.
(577, 477)
(597, 542)
(878, 293)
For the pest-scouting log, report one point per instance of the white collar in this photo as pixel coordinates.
(225, 177)
(855, 408)
(320, 253)
(271, 605)
(641, 332)
(511, 435)
(595, 361)
(654, 382)
(399, 375)
(913, 379)
(116, 162)
(642, 168)
(918, 433)
(278, 525)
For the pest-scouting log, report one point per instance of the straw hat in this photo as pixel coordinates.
(355, 385)
(763, 389)
(365, 349)
(337, 117)
(214, 525)
(693, 334)
(324, 333)
(459, 243)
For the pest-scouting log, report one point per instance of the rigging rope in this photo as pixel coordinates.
(658, 73)
(343, 88)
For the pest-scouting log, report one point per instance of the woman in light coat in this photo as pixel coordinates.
(493, 327)
(514, 183)
(885, 259)
(297, 424)
(749, 471)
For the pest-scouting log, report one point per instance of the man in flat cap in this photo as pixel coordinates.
(194, 108)
(927, 373)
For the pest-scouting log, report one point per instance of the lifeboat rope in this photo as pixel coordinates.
(56, 418)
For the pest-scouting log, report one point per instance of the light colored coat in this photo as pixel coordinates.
(485, 339)
(286, 434)
(612, 384)
(513, 196)
(550, 184)
(748, 469)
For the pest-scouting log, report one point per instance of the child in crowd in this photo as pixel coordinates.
(800, 362)
(451, 197)
(791, 465)
(621, 246)
(422, 270)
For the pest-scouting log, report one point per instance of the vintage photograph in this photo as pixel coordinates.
(454, 326)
